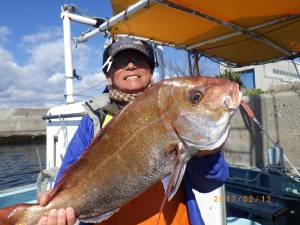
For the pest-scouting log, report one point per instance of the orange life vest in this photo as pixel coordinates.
(144, 209)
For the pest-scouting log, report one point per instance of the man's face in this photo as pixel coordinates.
(130, 72)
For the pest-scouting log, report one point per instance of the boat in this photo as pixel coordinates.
(15, 195)
(235, 33)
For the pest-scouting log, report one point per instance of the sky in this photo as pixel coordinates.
(32, 56)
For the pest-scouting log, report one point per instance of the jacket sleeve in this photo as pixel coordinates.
(207, 173)
(81, 139)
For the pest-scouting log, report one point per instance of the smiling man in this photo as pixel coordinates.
(128, 65)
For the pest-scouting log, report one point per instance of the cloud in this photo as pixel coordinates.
(91, 85)
(56, 78)
(41, 81)
(48, 34)
(4, 33)
(8, 69)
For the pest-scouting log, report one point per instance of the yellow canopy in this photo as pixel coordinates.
(237, 31)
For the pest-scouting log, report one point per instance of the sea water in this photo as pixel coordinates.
(21, 164)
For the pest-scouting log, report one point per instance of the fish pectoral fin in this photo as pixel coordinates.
(165, 181)
(172, 182)
(178, 180)
(99, 218)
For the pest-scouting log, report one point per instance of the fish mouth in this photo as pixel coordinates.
(233, 98)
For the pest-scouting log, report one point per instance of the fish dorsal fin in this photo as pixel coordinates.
(99, 219)
(171, 182)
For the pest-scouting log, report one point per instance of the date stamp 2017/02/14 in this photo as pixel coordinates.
(243, 198)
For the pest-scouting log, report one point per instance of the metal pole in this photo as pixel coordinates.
(296, 68)
(161, 63)
(196, 70)
(113, 20)
(223, 206)
(68, 59)
(256, 27)
(78, 18)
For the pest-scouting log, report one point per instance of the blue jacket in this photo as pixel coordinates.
(203, 174)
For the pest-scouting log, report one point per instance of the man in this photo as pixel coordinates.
(128, 64)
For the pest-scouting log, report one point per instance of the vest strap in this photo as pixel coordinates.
(94, 108)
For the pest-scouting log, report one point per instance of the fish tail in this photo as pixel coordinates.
(12, 214)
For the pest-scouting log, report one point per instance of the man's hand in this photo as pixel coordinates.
(56, 217)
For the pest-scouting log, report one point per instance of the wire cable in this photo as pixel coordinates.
(244, 179)
(293, 167)
(90, 88)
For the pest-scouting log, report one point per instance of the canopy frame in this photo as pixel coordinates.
(225, 24)
(256, 27)
(237, 30)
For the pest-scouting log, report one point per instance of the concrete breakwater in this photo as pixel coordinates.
(279, 113)
(22, 126)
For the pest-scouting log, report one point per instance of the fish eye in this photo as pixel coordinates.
(196, 96)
